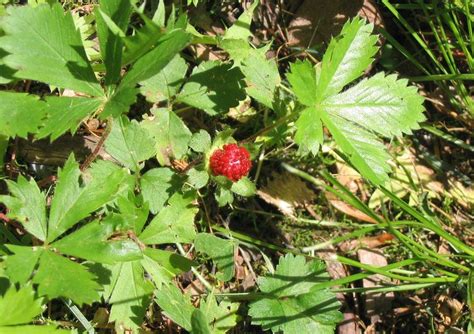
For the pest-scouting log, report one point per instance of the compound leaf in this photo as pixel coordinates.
(380, 104)
(27, 205)
(19, 307)
(309, 131)
(346, 57)
(130, 296)
(73, 201)
(44, 45)
(58, 276)
(15, 108)
(66, 114)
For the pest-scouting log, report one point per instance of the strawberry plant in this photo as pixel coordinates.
(120, 232)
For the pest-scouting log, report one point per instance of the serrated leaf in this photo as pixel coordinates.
(44, 45)
(214, 87)
(241, 28)
(15, 108)
(166, 83)
(244, 187)
(292, 306)
(119, 102)
(380, 104)
(304, 82)
(363, 148)
(224, 196)
(155, 60)
(129, 143)
(346, 57)
(59, 277)
(174, 223)
(157, 185)
(20, 265)
(66, 114)
(92, 242)
(222, 317)
(171, 136)
(133, 212)
(130, 296)
(73, 201)
(27, 205)
(262, 77)
(19, 307)
(111, 44)
(221, 252)
(309, 131)
(199, 323)
(175, 305)
(200, 141)
(198, 178)
(163, 266)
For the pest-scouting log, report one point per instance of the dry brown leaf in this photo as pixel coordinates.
(366, 242)
(449, 309)
(286, 192)
(316, 21)
(375, 302)
(349, 209)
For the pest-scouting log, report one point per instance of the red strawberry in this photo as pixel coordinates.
(231, 161)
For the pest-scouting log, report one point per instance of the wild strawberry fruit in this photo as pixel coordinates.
(231, 161)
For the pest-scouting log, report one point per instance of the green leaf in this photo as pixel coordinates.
(133, 212)
(346, 57)
(304, 82)
(198, 178)
(291, 305)
(111, 44)
(222, 317)
(221, 252)
(66, 114)
(309, 131)
(154, 61)
(20, 265)
(129, 143)
(175, 305)
(44, 45)
(32, 329)
(91, 242)
(174, 223)
(170, 134)
(244, 187)
(27, 205)
(224, 196)
(15, 108)
(163, 266)
(130, 296)
(19, 307)
(240, 30)
(380, 104)
(199, 323)
(363, 148)
(214, 87)
(119, 102)
(157, 185)
(201, 141)
(73, 202)
(166, 83)
(262, 77)
(59, 277)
